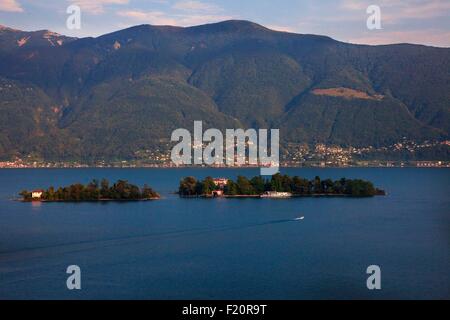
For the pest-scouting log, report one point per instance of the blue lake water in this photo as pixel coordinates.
(227, 248)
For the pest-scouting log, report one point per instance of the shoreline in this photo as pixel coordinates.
(93, 200)
(252, 196)
(232, 168)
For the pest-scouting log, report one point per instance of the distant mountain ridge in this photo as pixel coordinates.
(10, 38)
(119, 94)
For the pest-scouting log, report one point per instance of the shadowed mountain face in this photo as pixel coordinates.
(124, 92)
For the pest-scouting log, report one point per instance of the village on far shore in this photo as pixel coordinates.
(401, 154)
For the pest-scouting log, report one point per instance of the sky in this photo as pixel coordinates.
(412, 21)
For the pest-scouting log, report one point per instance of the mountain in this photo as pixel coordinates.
(123, 93)
(11, 39)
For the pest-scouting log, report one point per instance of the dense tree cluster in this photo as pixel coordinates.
(281, 183)
(95, 190)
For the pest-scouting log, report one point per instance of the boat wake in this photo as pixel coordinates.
(73, 247)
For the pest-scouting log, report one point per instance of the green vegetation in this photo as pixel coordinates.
(86, 101)
(191, 187)
(95, 191)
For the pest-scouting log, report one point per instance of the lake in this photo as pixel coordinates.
(227, 248)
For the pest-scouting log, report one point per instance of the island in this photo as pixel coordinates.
(278, 186)
(93, 191)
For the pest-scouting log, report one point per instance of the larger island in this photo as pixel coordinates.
(278, 186)
(93, 191)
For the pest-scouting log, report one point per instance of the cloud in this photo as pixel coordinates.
(196, 6)
(432, 37)
(422, 10)
(163, 18)
(182, 13)
(194, 20)
(151, 17)
(353, 5)
(10, 6)
(97, 6)
(394, 11)
(281, 28)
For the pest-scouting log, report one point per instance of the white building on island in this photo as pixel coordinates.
(275, 194)
(37, 194)
(220, 182)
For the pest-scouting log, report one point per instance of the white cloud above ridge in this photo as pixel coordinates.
(395, 11)
(10, 6)
(182, 13)
(97, 7)
(431, 37)
(281, 28)
(163, 18)
(196, 6)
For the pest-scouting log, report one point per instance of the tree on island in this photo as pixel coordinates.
(208, 186)
(121, 190)
(281, 183)
(259, 185)
(231, 188)
(104, 191)
(244, 186)
(188, 186)
(25, 194)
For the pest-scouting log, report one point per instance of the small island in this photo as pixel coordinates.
(279, 186)
(93, 191)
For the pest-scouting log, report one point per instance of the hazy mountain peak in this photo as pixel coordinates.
(49, 33)
(13, 39)
(5, 28)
